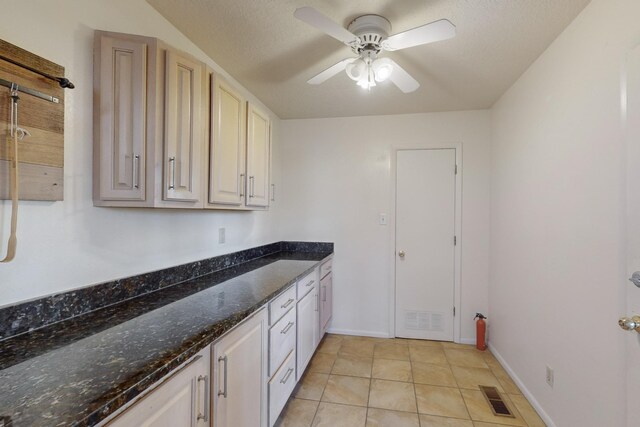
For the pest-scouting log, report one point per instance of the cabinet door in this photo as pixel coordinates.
(182, 400)
(258, 157)
(121, 83)
(227, 176)
(308, 325)
(184, 134)
(326, 302)
(240, 375)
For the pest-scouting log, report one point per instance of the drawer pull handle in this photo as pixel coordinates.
(286, 376)
(203, 416)
(220, 392)
(310, 283)
(287, 304)
(286, 328)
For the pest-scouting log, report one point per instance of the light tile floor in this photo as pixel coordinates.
(374, 382)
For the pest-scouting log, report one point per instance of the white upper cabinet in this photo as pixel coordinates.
(120, 129)
(239, 151)
(169, 133)
(149, 134)
(258, 157)
(227, 176)
(184, 136)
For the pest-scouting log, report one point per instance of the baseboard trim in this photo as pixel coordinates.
(545, 417)
(336, 331)
(358, 333)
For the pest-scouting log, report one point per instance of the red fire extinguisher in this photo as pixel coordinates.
(481, 330)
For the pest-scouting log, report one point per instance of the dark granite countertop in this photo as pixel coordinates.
(79, 371)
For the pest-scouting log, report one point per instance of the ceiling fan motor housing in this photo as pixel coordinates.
(371, 30)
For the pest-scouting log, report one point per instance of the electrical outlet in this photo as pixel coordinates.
(550, 376)
(221, 235)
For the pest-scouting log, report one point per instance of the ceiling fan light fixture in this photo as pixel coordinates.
(357, 70)
(382, 69)
(368, 79)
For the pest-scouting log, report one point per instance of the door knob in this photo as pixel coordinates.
(630, 324)
(401, 254)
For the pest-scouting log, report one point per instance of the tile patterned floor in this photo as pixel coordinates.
(374, 382)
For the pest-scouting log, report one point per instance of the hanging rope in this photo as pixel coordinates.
(14, 130)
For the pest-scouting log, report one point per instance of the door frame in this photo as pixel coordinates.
(457, 146)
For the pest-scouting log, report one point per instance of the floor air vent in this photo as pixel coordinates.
(498, 406)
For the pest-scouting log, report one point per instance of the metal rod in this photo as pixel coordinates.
(29, 91)
(63, 82)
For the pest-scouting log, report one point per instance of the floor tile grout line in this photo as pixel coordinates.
(412, 381)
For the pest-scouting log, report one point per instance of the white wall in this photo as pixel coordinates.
(336, 180)
(69, 244)
(557, 220)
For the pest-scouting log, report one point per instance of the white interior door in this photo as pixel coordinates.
(633, 232)
(425, 248)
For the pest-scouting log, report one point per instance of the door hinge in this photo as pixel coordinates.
(455, 240)
(456, 169)
(454, 312)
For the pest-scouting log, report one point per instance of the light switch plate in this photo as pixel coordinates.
(383, 219)
(221, 235)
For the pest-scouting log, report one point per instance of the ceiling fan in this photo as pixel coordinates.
(368, 36)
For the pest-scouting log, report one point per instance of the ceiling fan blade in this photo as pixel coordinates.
(330, 72)
(402, 79)
(428, 33)
(324, 24)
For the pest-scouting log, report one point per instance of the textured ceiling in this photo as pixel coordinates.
(272, 54)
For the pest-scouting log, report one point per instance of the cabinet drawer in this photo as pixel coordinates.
(282, 304)
(282, 340)
(305, 285)
(281, 386)
(325, 268)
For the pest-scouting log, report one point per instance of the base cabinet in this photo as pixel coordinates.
(240, 372)
(181, 400)
(308, 329)
(326, 297)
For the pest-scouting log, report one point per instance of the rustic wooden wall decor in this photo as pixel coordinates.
(42, 153)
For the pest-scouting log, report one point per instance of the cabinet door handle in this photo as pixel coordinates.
(273, 192)
(242, 184)
(287, 304)
(136, 171)
(317, 296)
(286, 328)
(310, 283)
(203, 416)
(220, 392)
(172, 165)
(324, 298)
(252, 185)
(286, 376)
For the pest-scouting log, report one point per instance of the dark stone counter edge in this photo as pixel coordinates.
(41, 312)
(210, 336)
